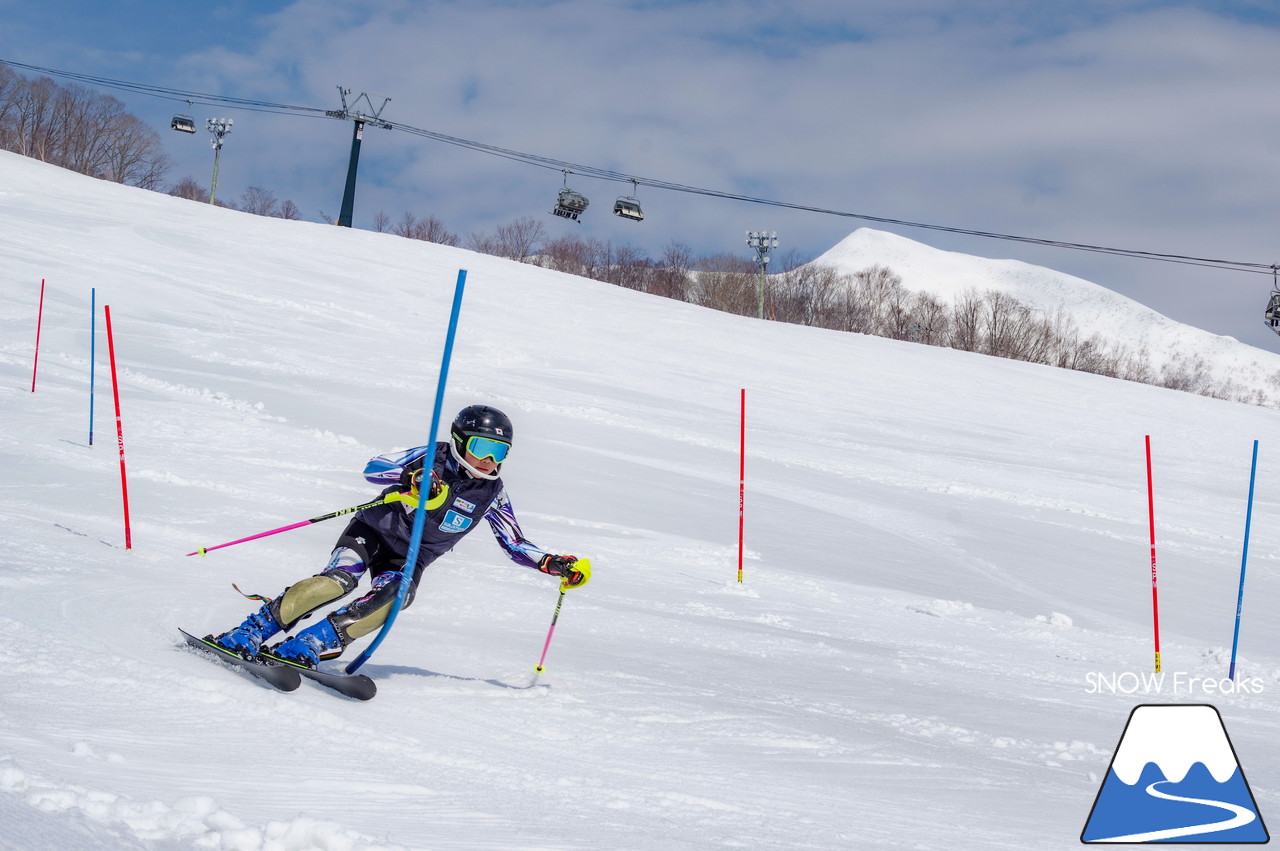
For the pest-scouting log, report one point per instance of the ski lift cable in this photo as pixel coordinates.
(166, 93)
(604, 174)
(636, 180)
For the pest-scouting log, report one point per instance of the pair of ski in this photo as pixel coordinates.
(285, 675)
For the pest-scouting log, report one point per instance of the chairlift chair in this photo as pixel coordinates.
(183, 124)
(628, 206)
(1272, 314)
(569, 204)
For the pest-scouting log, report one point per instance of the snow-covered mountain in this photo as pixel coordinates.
(1121, 321)
(944, 550)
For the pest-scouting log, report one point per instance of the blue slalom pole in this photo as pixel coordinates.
(420, 514)
(1248, 517)
(93, 351)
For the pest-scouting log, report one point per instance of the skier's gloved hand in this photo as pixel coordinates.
(574, 571)
(437, 490)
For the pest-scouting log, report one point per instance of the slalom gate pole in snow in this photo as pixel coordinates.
(1151, 513)
(554, 617)
(391, 497)
(115, 390)
(419, 516)
(35, 364)
(1244, 559)
(742, 475)
(93, 351)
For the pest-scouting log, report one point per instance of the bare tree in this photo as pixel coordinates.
(966, 322)
(727, 282)
(563, 254)
(189, 189)
(805, 294)
(931, 320)
(33, 103)
(429, 229)
(521, 239)
(9, 86)
(434, 230)
(259, 201)
(630, 268)
(672, 278)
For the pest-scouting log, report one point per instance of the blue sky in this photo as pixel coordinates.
(1146, 125)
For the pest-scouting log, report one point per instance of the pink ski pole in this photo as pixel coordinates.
(391, 497)
(550, 632)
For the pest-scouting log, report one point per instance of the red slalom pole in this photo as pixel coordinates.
(1151, 513)
(39, 321)
(115, 390)
(742, 475)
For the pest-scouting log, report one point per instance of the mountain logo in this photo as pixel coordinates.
(1175, 778)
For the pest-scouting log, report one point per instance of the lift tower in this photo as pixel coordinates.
(352, 112)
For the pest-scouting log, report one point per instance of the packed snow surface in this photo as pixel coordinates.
(945, 620)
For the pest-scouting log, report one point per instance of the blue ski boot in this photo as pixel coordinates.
(247, 638)
(307, 648)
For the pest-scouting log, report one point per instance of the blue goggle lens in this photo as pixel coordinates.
(487, 447)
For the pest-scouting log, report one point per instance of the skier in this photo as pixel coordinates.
(462, 485)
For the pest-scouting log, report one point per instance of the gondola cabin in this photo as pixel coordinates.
(183, 124)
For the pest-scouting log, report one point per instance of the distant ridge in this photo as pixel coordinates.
(948, 275)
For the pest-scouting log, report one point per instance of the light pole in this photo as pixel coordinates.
(762, 242)
(219, 127)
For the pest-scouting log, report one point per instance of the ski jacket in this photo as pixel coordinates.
(469, 500)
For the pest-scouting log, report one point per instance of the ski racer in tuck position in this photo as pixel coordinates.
(462, 484)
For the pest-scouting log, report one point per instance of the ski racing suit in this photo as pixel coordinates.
(377, 540)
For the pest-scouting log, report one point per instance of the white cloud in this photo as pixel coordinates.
(1138, 124)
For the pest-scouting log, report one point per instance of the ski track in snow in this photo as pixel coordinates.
(903, 668)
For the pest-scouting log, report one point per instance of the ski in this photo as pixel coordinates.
(282, 677)
(352, 685)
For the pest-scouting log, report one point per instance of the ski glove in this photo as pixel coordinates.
(575, 572)
(437, 491)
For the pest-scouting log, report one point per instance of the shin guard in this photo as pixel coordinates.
(370, 611)
(303, 598)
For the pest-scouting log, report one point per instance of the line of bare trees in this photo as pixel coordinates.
(256, 200)
(871, 301)
(90, 133)
(78, 129)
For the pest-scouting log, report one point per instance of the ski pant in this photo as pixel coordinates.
(358, 550)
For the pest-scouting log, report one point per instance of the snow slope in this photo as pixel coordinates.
(944, 551)
(1095, 309)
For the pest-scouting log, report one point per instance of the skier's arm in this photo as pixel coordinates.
(521, 550)
(502, 518)
(386, 469)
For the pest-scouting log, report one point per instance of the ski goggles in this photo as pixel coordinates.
(486, 447)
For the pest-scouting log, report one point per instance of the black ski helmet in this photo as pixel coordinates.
(478, 421)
